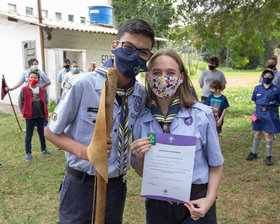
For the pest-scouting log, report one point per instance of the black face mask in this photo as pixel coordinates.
(211, 67)
(271, 66)
(66, 66)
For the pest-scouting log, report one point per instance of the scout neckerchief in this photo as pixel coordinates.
(122, 98)
(172, 112)
(103, 70)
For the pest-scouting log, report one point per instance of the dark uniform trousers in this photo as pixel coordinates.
(76, 199)
(165, 213)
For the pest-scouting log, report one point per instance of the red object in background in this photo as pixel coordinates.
(3, 91)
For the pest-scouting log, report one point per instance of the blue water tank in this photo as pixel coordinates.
(100, 14)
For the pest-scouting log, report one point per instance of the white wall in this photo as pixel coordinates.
(11, 54)
(97, 46)
(65, 7)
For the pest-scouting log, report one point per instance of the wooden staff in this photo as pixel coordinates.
(3, 77)
(97, 149)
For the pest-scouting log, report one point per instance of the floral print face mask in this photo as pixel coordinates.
(165, 86)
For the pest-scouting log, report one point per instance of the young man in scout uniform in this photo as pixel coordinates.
(73, 121)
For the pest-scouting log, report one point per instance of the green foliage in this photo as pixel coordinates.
(242, 26)
(51, 106)
(159, 13)
(249, 190)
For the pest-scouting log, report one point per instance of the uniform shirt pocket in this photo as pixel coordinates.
(89, 117)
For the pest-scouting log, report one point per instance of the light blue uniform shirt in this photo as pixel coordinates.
(276, 80)
(196, 121)
(43, 78)
(75, 115)
(61, 74)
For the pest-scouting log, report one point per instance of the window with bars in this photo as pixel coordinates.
(12, 7)
(82, 19)
(28, 11)
(58, 15)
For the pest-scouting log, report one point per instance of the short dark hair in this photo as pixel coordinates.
(267, 71)
(214, 59)
(31, 61)
(36, 73)
(216, 84)
(273, 57)
(137, 26)
(66, 60)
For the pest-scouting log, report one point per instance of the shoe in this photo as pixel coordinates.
(251, 156)
(269, 161)
(28, 157)
(1, 164)
(46, 152)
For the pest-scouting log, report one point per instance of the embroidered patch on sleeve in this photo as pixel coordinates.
(54, 116)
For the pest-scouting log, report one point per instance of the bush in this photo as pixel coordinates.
(51, 106)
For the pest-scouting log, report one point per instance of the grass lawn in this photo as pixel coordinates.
(249, 192)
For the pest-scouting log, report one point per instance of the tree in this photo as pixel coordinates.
(240, 25)
(159, 13)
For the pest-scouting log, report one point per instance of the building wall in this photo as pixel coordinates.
(65, 7)
(97, 46)
(11, 54)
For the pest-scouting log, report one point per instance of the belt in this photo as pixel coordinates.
(198, 188)
(267, 108)
(195, 189)
(88, 178)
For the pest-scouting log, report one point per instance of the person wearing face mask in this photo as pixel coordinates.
(73, 123)
(71, 75)
(34, 109)
(63, 72)
(267, 99)
(171, 108)
(217, 100)
(208, 76)
(33, 66)
(271, 65)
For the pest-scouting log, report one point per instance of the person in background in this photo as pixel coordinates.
(219, 101)
(267, 99)
(73, 124)
(72, 74)
(63, 72)
(34, 109)
(271, 65)
(92, 66)
(33, 67)
(208, 76)
(171, 108)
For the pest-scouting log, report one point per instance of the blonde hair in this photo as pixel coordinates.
(184, 90)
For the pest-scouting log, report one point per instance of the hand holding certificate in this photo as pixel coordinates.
(168, 167)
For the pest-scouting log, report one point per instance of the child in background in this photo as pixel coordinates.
(267, 99)
(219, 101)
(34, 109)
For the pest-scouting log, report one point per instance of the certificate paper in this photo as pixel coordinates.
(168, 168)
